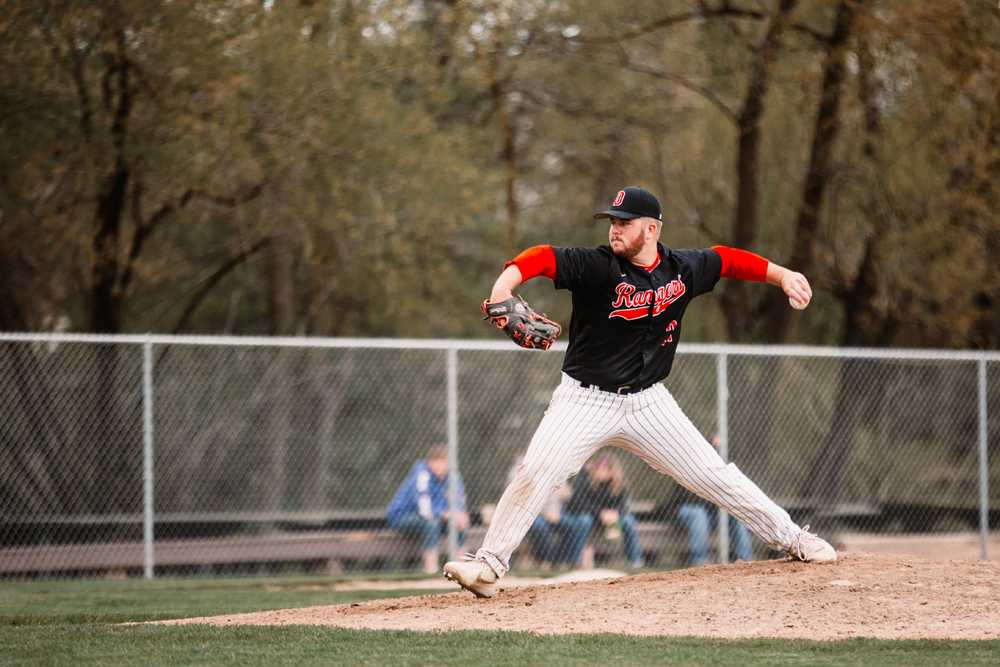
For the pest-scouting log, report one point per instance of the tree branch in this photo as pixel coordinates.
(624, 61)
(220, 200)
(145, 230)
(725, 11)
(215, 279)
(687, 84)
(700, 220)
(536, 97)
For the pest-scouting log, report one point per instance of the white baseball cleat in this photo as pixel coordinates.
(811, 548)
(473, 575)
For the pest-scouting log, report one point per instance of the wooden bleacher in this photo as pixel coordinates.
(325, 543)
(326, 551)
(328, 542)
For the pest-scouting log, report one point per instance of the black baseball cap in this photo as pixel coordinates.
(633, 202)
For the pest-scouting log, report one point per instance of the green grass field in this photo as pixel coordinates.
(57, 623)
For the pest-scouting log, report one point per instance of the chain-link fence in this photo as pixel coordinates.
(185, 455)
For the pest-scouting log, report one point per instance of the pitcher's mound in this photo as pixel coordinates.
(861, 595)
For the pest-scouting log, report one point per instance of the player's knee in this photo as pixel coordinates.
(526, 480)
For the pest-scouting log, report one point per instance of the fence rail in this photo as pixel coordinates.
(243, 445)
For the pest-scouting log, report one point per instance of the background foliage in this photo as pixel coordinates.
(328, 167)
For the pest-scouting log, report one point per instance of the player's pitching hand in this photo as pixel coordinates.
(797, 289)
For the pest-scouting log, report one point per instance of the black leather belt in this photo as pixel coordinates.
(624, 389)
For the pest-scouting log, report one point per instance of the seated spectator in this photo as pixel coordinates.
(555, 538)
(420, 510)
(698, 517)
(600, 502)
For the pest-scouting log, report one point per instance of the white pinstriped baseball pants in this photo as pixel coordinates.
(649, 424)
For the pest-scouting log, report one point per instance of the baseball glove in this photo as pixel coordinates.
(518, 320)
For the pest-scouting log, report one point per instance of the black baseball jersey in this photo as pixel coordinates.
(626, 319)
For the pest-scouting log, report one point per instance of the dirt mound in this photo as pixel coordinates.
(861, 595)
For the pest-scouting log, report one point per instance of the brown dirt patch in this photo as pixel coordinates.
(861, 595)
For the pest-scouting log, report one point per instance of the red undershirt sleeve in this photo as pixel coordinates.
(741, 264)
(539, 260)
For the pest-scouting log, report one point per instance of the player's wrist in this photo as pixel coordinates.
(776, 274)
(498, 295)
(504, 286)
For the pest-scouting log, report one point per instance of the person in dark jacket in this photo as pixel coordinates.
(420, 507)
(600, 499)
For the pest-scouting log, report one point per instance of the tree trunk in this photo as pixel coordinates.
(863, 326)
(508, 148)
(12, 312)
(986, 331)
(735, 299)
(106, 299)
(108, 450)
(106, 302)
(818, 175)
(282, 286)
(776, 310)
(737, 302)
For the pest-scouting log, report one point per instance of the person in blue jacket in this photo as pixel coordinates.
(420, 507)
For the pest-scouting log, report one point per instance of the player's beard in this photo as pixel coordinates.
(628, 250)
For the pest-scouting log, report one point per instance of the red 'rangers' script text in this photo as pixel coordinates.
(632, 305)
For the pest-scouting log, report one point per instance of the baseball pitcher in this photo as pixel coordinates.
(629, 299)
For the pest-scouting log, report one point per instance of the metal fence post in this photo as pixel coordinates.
(722, 405)
(452, 449)
(147, 459)
(984, 479)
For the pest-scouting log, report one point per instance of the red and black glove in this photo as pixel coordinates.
(521, 323)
